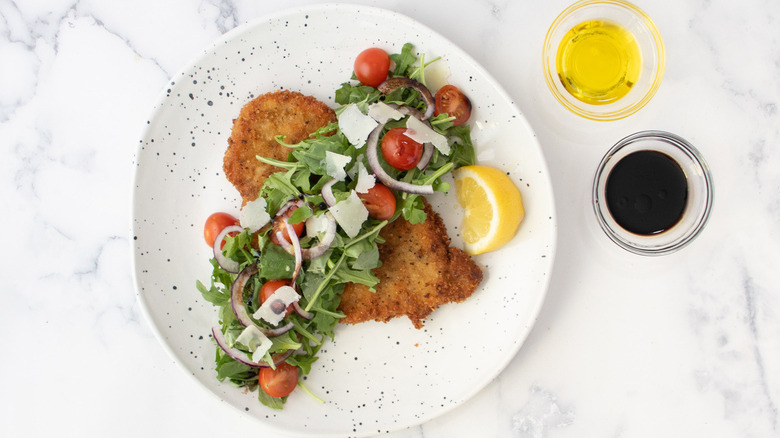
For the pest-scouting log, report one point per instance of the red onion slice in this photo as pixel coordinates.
(296, 244)
(239, 308)
(384, 177)
(244, 358)
(320, 248)
(280, 330)
(327, 193)
(324, 243)
(225, 263)
(427, 147)
(302, 312)
(287, 205)
(426, 156)
(237, 297)
(395, 83)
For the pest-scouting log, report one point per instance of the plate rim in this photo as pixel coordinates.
(536, 305)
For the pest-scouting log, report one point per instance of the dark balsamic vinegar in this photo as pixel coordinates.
(646, 192)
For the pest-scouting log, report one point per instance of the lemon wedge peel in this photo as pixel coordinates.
(492, 217)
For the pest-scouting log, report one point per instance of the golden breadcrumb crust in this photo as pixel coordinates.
(286, 113)
(420, 271)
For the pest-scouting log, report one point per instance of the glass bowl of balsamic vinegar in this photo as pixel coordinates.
(652, 193)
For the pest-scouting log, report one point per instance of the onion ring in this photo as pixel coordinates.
(327, 193)
(239, 308)
(384, 177)
(302, 312)
(280, 330)
(426, 156)
(287, 205)
(395, 83)
(318, 249)
(323, 245)
(242, 357)
(427, 147)
(296, 245)
(237, 297)
(224, 262)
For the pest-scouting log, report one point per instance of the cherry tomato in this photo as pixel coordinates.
(450, 100)
(278, 382)
(400, 151)
(371, 66)
(269, 287)
(216, 223)
(379, 201)
(279, 226)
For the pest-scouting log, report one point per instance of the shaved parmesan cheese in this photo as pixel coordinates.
(382, 112)
(274, 308)
(422, 133)
(437, 74)
(353, 170)
(253, 215)
(257, 342)
(334, 165)
(364, 180)
(350, 214)
(316, 225)
(355, 125)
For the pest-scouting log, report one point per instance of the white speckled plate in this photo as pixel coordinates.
(375, 377)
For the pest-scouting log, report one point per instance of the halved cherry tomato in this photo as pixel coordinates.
(269, 287)
(449, 99)
(371, 66)
(279, 382)
(279, 226)
(400, 151)
(379, 201)
(216, 223)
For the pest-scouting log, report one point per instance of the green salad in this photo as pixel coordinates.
(279, 272)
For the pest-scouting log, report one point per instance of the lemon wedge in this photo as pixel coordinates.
(493, 207)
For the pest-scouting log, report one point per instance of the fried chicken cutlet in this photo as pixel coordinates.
(286, 113)
(420, 270)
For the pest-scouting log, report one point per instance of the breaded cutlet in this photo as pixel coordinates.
(286, 113)
(420, 270)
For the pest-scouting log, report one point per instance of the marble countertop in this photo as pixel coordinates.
(686, 344)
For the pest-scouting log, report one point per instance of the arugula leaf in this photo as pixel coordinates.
(412, 209)
(284, 342)
(300, 214)
(236, 372)
(303, 361)
(212, 294)
(404, 60)
(360, 95)
(272, 402)
(278, 189)
(366, 277)
(276, 263)
(463, 154)
(367, 260)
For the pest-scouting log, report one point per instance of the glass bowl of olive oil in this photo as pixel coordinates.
(603, 59)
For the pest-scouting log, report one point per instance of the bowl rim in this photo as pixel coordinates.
(596, 112)
(641, 245)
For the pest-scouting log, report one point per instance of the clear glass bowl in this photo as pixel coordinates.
(698, 203)
(650, 45)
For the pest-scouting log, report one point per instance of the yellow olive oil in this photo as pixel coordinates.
(598, 61)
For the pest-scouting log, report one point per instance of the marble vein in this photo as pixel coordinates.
(750, 301)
